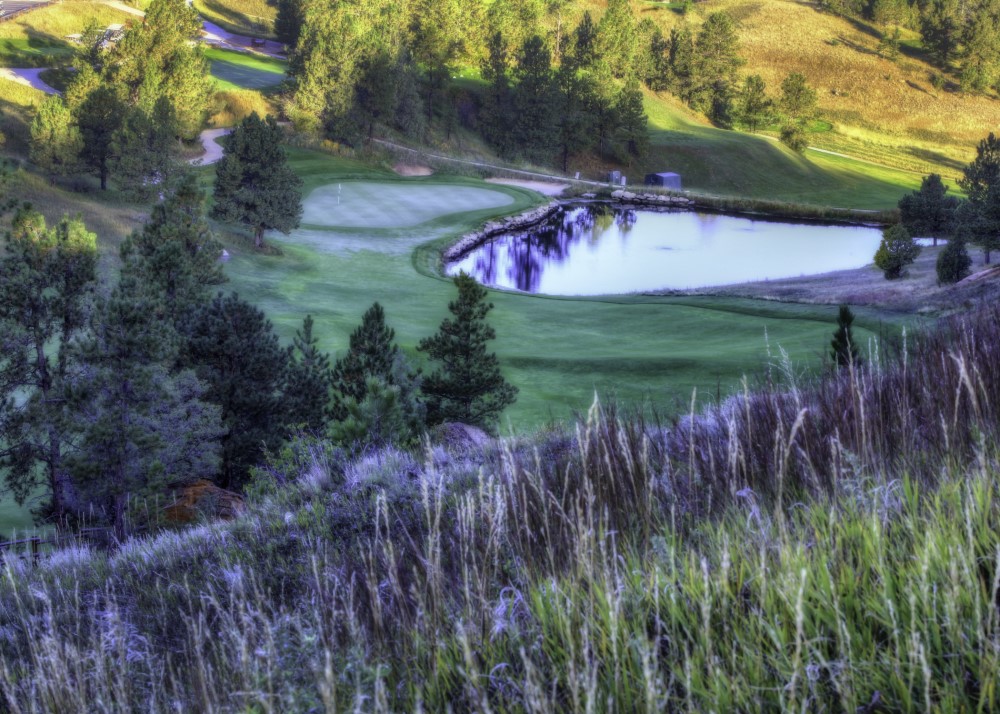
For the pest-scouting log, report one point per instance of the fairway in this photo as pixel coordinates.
(362, 204)
(558, 351)
(240, 70)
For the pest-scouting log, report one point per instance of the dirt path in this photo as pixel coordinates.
(213, 150)
(29, 77)
(546, 188)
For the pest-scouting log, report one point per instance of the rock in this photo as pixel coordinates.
(203, 498)
(456, 436)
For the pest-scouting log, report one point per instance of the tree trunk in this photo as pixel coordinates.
(258, 237)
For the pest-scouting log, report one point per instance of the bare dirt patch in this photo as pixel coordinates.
(412, 169)
(917, 291)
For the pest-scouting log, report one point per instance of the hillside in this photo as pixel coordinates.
(829, 545)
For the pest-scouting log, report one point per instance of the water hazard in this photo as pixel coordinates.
(598, 249)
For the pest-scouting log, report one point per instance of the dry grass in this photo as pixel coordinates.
(232, 106)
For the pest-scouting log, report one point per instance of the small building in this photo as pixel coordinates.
(615, 177)
(666, 179)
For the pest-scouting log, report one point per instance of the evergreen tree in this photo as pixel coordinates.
(534, 100)
(632, 134)
(136, 427)
(574, 121)
(175, 253)
(616, 38)
(288, 22)
(234, 351)
(980, 214)
(99, 117)
(145, 151)
(682, 63)
(659, 76)
(48, 276)
(377, 89)
(254, 185)
(371, 352)
(895, 252)
(844, 350)
(929, 212)
(953, 263)
(309, 380)
(940, 27)
(388, 414)
(716, 61)
(798, 99)
(981, 47)
(583, 52)
(794, 136)
(497, 115)
(55, 139)
(755, 108)
(468, 386)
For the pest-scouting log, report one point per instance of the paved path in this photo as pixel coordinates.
(29, 77)
(213, 150)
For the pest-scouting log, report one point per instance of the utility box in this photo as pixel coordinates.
(615, 177)
(665, 179)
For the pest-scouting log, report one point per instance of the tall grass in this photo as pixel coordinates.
(829, 546)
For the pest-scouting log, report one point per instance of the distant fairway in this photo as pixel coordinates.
(240, 70)
(363, 204)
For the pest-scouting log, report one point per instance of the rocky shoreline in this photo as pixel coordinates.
(524, 221)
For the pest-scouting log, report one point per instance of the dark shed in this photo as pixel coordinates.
(667, 179)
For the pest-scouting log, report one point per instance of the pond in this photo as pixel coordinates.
(597, 249)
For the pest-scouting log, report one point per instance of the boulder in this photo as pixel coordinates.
(203, 498)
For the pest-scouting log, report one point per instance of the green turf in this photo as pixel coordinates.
(730, 163)
(558, 351)
(360, 204)
(242, 70)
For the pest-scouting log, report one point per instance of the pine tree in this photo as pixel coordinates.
(574, 122)
(583, 52)
(895, 252)
(254, 185)
(715, 62)
(980, 214)
(616, 38)
(468, 386)
(953, 263)
(234, 351)
(844, 348)
(497, 113)
(755, 108)
(309, 380)
(175, 253)
(48, 277)
(632, 133)
(798, 99)
(99, 117)
(145, 151)
(288, 23)
(928, 212)
(136, 426)
(534, 100)
(55, 138)
(371, 352)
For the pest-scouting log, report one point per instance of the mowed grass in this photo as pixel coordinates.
(242, 70)
(558, 351)
(729, 163)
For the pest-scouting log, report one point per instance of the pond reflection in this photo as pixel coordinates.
(597, 249)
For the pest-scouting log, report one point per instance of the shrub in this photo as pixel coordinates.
(954, 262)
(895, 252)
(794, 137)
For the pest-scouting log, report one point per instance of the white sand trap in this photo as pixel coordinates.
(412, 170)
(546, 188)
(361, 204)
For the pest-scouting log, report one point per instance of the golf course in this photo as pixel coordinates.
(371, 235)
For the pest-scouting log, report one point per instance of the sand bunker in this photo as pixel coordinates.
(412, 170)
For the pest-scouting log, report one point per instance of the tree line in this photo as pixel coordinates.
(930, 212)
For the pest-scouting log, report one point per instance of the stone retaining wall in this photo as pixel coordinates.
(501, 225)
(524, 221)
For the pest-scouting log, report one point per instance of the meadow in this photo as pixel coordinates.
(241, 70)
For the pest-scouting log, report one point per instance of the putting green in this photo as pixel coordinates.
(239, 70)
(365, 204)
